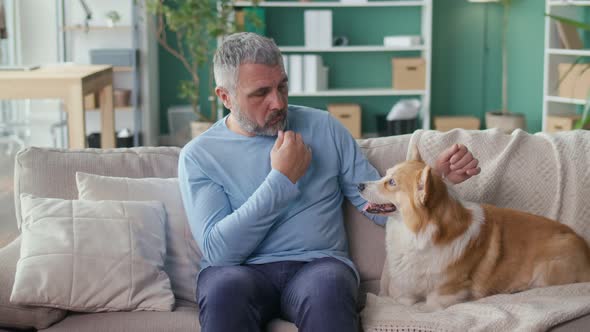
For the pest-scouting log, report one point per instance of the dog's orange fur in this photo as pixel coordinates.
(513, 250)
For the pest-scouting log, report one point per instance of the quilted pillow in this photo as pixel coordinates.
(92, 256)
(13, 315)
(182, 253)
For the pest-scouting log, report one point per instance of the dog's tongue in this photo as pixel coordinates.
(379, 208)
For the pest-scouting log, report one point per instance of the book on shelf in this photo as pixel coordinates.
(569, 36)
(286, 64)
(312, 66)
(296, 73)
(318, 28)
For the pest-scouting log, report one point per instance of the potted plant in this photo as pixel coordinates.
(113, 18)
(194, 24)
(504, 119)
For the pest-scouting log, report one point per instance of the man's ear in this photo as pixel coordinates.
(414, 153)
(225, 97)
(424, 186)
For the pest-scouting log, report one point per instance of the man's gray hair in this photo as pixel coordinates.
(242, 48)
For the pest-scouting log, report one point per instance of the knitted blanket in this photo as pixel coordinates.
(548, 175)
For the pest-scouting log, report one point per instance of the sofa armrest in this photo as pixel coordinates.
(17, 316)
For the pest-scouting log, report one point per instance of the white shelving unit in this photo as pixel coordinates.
(132, 32)
(425, 49)
(553, 104)
(333, 4)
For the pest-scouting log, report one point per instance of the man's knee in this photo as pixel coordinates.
(328, 283)
(222, 286)
(322, 297)
(333, 283)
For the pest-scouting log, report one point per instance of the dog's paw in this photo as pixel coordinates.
(430, 306)
(406, 300)
(436, 301)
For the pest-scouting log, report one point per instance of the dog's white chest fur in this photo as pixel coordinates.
(416, 265)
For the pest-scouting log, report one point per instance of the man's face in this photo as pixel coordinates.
(260, 103)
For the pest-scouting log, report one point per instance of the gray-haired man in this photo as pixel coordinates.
(263, 190)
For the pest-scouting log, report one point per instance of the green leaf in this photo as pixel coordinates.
(577, 24)
(585, 120)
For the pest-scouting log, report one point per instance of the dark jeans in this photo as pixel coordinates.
(317, 296)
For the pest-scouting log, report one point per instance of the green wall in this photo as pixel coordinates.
(466, 67)
(467, 64)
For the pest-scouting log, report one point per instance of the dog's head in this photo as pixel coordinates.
(410, 187)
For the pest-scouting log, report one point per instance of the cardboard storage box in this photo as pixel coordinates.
(349, 115)
(409, 73)
(576, 84)
(446, 123)
(561, 122)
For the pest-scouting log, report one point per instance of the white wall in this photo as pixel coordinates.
(36, 43)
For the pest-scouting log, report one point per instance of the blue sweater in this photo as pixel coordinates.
(241, 211)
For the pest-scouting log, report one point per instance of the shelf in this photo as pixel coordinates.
(122, 69)
(561, 51)
(570, 3)
(564, 100)
(122, 109)
(94, 27)
(357, 93)
(368, 48)
(330, 4)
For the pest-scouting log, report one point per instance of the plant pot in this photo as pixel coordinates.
(506, 122)
(199, 127)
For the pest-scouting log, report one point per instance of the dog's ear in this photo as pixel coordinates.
(414, 153)
(424, 186)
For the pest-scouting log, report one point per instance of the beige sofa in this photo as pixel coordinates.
(51, 173)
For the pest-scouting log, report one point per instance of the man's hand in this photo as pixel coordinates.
(456, 164)
(290, 155)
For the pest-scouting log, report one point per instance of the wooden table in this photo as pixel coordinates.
(71, 84)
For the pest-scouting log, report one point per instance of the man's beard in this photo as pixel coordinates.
(267, 130)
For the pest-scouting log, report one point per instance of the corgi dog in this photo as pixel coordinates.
(444, 251)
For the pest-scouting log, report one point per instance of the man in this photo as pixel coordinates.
(263, 190)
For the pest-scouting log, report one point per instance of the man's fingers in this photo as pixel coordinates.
(279, 140)
(467, 158)
(446, 154)
(460, 152)
(472, 164)
(289, 137)
(298, 138)
(473, 171)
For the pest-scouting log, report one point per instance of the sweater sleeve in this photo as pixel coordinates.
(354, 168)
(228, 237)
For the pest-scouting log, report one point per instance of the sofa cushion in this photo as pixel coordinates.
(182, 253)
(17, 316)
(92, 256)
(183, 318)
(367, 239)
(46, 172)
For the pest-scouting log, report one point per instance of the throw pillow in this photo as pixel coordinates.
(92, 256)
(182, 253)
(17, 316)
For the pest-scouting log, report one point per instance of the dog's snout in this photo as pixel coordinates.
(361, 186)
